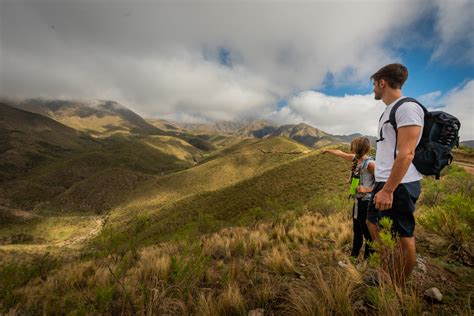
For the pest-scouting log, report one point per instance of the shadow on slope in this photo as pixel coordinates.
(294, 183)
(116, 161)
(238, 164)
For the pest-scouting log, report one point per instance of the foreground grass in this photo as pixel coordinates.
(228, 272)
(285, 266)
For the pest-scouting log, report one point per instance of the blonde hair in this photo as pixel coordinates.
(360, 146)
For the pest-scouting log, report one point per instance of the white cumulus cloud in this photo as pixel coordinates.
(162, 57)
(460, 103)
(336, 115)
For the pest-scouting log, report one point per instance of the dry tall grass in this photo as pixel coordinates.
(330, 292)
(285, 267)
(280, 260)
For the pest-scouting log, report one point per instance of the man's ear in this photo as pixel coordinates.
(382, 83)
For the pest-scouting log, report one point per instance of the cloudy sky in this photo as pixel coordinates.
(203, 61)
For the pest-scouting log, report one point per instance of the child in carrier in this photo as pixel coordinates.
(362, 182)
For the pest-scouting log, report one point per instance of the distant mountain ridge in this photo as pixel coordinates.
(467, 143)
(104, 118)
(302, 132)
(97, 117)
(225, 127)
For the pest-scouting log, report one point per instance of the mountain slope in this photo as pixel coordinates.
(221, 127)
(241, 163)
(303, 133)
(46, 165)
(164, 125)
(29, 139)
(60, 185)
(98, 118)
(296, 182)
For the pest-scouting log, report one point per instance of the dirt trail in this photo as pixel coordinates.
(78, 240)
(469, 167)
(59, 247)
(465, 160)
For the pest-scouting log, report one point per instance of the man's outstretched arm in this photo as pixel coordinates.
(406, 145)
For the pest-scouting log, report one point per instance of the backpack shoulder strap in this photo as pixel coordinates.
(393, 121)
(366, 162)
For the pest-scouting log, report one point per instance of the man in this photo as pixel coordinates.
(397, 185)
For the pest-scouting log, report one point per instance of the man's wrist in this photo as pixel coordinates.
(388, 189)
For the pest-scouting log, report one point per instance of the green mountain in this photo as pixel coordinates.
(99, 118)
(239, 162)
(29, 139)
(45, 165)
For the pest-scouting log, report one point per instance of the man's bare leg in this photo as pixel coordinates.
(407, 260)
(374, 233)
(373, 230)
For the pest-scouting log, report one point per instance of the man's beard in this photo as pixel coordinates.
(377, 96)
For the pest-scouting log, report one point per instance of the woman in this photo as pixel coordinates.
(363, 168)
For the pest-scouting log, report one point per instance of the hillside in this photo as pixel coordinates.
(305, 134)
(296, 182)
(42, 159)
(258, 129)
(127, 177)
(139, 157)
(249, 159)
(99, 118)
(164, 125)
(29, 139)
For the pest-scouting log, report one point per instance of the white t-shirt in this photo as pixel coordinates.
(409, 113)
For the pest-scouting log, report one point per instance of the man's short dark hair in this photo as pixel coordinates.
(394, 74)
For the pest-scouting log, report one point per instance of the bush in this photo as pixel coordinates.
(104, 297)
(449, 210)
(15, 275)
(431, 193)
(453, 220)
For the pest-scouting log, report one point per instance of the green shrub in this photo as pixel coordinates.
(448, 210)
(453, 220)
(457, 180)
(187, 270)
(15, 275)
(431, 192)
(104, 297)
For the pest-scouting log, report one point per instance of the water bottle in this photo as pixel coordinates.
(354, 184)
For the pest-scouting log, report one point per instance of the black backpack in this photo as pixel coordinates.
(440, 136)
